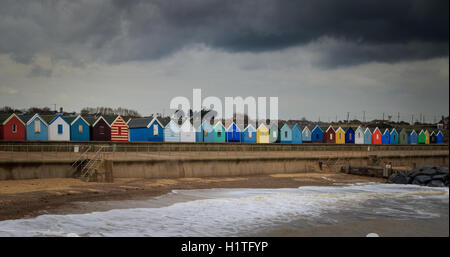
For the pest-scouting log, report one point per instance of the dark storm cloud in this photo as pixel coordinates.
(117, 31)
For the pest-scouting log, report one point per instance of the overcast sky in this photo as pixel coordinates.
(322, 58)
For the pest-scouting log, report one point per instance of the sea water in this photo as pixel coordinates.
(244, 212)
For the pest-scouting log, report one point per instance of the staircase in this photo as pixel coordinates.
(89, 166)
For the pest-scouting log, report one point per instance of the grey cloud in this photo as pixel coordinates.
(118, 31)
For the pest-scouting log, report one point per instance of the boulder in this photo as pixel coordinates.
(399, 178)
(421, 180)
(436, 183)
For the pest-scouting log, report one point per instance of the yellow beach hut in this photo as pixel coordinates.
(262, 134)
(340, 136)
(427, 137)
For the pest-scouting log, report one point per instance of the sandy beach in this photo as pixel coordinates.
(30, 198)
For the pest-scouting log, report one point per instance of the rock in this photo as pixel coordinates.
(399, 178)
(421, 179)
(440, 177)
(443, 171)
(429, 172)
(436, 183)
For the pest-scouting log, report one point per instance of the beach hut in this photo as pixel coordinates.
(100, 129)
(12, 127)
(329, 136)
(359, 135)
(58, 128)
(367, 136)
(340, 136)
(274, 135)
(119, 129)
(248, 135)
(171, 132)
(219, 132)
(35, 127)
(145, 129)
(187, 132)
(297, 134)
(306, 135)
(433, 138)
(403, 136)
(79, 128)
(349, 135)
(233, 133)
(286, 134)
(412, 138)
(421, 138)
(317, 135)
(376, 136)
(439, 137)
(199, 134)
(427, 137)
(262, 134)
(385, 138)
(208, 132)
(393, 139)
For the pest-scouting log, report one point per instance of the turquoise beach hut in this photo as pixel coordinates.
(274, 135)
(367, 136)
(296, 134)
(248, 135)
(286, 134)
(219, 133)
(208, 132)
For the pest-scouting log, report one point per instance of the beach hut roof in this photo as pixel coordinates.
(367, 130)
(317, 127)
(72, 119)
(55, 117)
(439, 132)
(4, 118)
(250, 126)
(231, 125)
(28, 118)
(262, 126)
(98, 119)
(140, 122)
(286, 125)
(217, 124)
(432, 133)
(413, 131)
(330, 127)
(394, 130)
(341, 129)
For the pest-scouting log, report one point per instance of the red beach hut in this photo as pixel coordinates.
(329, 136)
(376, 137)
(11, 127)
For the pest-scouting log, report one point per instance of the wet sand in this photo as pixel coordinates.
(30, 198)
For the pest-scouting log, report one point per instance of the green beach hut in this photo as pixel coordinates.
(219, 133)
(421, 138)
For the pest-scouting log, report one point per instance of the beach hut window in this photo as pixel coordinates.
(274, 134)
(285, 134)
(37, 127)
(219, 133)
(378, 137)
(359, 134)
(14, 128)
(350, 136)
(206, 133)
(60, 129)
(394, 137)
(306, 133)
(250, 134)
(340, 136)
(101, 130)
(80, 128)
(331, 136)
(119, 130)
(155, 130)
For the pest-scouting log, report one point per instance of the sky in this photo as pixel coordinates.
(322, 58)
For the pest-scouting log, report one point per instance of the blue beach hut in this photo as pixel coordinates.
(412, 138)
(296, 134)
(233, 133)
(199, 134)
(35, 127)
(393, 139)
(146, 129)
(367, 136)
(248, 135)
(286, 134)
(79, 128)
(317, 135)
(208, 132)
(306, 135)
(385, 138)
(349, 136)
(439, 138)
(171, 132)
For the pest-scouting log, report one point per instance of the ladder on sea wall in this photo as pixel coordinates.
(89, 166)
